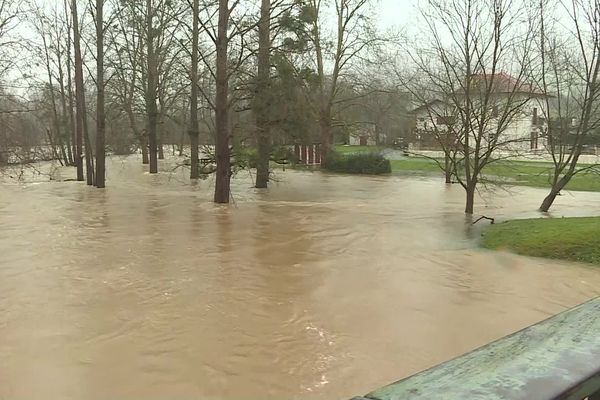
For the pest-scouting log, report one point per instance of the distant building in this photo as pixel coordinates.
(524, 128)
(365, 136)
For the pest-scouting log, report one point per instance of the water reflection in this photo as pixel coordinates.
(322, 287)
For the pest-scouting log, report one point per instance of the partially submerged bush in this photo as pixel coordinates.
(357, 163)
(247, 157)
(122, 149)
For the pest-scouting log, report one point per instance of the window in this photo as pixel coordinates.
(535, 117)
(534, 140)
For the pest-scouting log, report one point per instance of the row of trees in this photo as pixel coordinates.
(224, 72)
(233, 71)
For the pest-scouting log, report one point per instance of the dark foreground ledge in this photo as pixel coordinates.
(558, 358)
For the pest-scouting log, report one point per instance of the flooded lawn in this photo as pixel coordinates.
(323, 287)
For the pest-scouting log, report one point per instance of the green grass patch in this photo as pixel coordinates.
(415, 164)
(342, 149)
(518, 173)
(573, 239)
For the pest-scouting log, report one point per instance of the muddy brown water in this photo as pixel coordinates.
(323, 287)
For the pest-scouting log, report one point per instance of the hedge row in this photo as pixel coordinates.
(357, 163)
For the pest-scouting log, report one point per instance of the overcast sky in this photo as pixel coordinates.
(396, 12)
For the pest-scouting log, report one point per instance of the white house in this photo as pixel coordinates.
(519, 107)
(364, 136)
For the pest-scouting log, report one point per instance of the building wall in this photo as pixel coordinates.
(521, 134)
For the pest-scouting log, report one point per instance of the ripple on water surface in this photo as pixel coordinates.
(324, 286)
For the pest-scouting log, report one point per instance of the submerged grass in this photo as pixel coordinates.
(518, 173)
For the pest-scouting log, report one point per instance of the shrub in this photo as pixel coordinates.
(247, 157)
(122, 149)
(357, 163)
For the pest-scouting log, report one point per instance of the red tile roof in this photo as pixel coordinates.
(504, 83)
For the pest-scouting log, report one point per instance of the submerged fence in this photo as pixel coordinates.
(308, 154)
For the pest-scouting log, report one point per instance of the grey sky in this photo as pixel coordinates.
(391, 12)
(396, 13)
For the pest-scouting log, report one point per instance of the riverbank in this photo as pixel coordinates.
(514, 173)
(572, 239)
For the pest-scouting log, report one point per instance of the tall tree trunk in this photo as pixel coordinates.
(194, 131)
(53, 147)
(160, 136)
(182, 137)
(139, 135)
(72, 123)
(324, 101)
(554, 191)
(62, 147)
(89, 151)
(145, 150)
(326, 132)
(80, 97)
(549, 200)
(151, 107)
(159, 142)
(100, 115)
(470, 202)
(63, 99)
(262, 95)
(222, 152)
(65, 118)
(55, 120)
(160, 131)
(77, 161)
(448, 168)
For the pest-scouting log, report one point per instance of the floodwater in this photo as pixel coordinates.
(323, 287)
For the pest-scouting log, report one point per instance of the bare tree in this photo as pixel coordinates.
(82, 128)
(151, 86)
(222, 151)
(69, 86)
(570, 54)
(145, 66)
(353, 35)
(100, 113)
(477, 64)
(231, 52)
(374, 108)
(126, 86)
(9, 17)
(263, 97)
(194, 130)
(43, 27)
